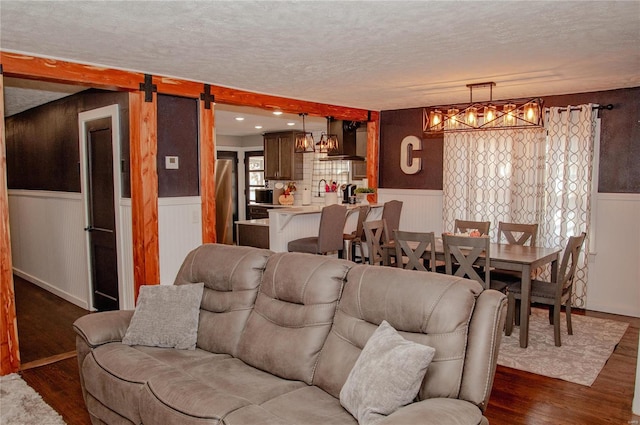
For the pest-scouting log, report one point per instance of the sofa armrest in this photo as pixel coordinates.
(436, 411)
(101, 328)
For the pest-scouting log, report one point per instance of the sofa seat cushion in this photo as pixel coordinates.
(178, 398)
(239, 379)
(436, 411)
(115, 373)
(309, 405)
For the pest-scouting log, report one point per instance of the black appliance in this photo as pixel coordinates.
(349, 190)
(264, 196)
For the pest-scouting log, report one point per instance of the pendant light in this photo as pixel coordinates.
(328, 142)
(304, 141)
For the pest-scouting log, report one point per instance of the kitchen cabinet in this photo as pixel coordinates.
(359, 168)
(281, 162)
(257, 211)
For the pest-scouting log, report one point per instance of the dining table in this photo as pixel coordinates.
(518, 258)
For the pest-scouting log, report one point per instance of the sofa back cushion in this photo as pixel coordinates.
(293, 314)
(231, 277)
(429, 308)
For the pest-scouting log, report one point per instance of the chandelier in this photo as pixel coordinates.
(328, 142)
(491, 115)
(304, 141)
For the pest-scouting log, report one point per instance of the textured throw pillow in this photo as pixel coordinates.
(166, 316)
(386, 376)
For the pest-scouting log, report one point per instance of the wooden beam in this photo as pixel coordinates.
(9, 352)
(207, 173)
(58, 71)
(373, 149)
(144, 190)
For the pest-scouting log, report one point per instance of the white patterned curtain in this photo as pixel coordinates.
(495, 175)
(570, 147)
(526, 176)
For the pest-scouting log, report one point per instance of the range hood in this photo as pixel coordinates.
(352, 141)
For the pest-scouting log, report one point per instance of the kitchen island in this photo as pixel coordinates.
(287, 224)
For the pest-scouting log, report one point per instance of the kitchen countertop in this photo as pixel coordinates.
(255, 222)
(263, 204)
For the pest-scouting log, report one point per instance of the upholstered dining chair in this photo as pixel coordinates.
(463, 226)
(374, 232)
(329, 239)
(464, 251)
(391, 212)
(354, 239)
(553, 294)
(414, 252)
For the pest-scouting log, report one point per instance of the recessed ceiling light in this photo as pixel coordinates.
(239, 118)
(291, 123)
(258, 127)
(277, 112)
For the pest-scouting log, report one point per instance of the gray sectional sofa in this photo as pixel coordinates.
(277, 337)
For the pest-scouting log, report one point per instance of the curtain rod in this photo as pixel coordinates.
(599, 108)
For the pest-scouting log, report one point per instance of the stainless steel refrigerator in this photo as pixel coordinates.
(224, 201)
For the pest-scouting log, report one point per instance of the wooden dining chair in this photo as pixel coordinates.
(517, 233)
(405, 243)
(374, 232)
(553, 294)
(464, 251)
(464, 226)
(353, 240)
(391, 212)
(329, 239)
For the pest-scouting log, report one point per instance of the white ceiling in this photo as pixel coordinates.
(376, 55)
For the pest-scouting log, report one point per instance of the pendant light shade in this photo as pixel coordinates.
(304, 141)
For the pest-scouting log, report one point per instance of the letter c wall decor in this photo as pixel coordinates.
(409, 164)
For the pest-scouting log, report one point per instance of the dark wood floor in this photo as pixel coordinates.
(517, 397)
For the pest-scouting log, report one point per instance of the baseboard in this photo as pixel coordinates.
(54, 290)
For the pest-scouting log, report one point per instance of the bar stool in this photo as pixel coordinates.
(329, 239)
(353, 239)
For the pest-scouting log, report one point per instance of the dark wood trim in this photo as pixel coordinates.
(144, 190)
(9, 352)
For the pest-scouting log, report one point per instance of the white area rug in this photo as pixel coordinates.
(21, 405)
(581, 356)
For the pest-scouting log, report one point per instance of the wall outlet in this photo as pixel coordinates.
(171, 162)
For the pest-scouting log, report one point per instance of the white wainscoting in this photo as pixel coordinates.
(48, 242)
(179, 231)
(614, 269)
(421, 209)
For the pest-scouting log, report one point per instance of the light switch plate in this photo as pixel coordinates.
(171, 162)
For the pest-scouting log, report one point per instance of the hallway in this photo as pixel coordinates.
(45, 332)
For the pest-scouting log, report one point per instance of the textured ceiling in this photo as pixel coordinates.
(372, 55)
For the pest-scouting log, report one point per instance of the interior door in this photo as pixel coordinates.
(101, 214)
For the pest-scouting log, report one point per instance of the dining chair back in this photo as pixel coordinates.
(517, 233)
(460, 254)
(555, 294)
(354, 239)
(391, 212)
(374, 232)
(463, 226)
(329, 239)
(413, 245)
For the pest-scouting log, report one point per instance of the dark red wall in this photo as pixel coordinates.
(178, 136)
(619, 143)
(43, 143)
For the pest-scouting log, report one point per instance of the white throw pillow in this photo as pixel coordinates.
(166, 316)
(386, 376)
